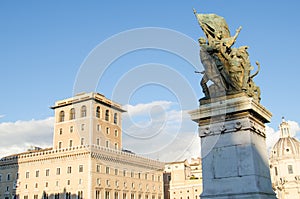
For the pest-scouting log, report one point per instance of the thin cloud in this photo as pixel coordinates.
(161, 132)
(2, 116)
(16, 137)
(140, 109)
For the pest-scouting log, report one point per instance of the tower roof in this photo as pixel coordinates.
(88, 96)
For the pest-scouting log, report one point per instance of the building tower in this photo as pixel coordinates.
(285, 164)
(86, 160)
(87, 119)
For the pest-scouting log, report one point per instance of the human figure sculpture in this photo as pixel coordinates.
(228, 68)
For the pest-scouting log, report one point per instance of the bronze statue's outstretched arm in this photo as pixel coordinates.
(233, 39)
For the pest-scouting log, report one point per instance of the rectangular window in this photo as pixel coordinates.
(37, 173)
(132, 174)
(69, 170)
(97, 194)
(107, 170)
(0, 178)
(116, 171)
(98, 127)
(71, 143)
(290, 169)
(98, 141)
(116, 195)
(276, 171)
(82, 141)
(27, 174)
(25, 197)
(98, 168)
(80, 168)
(98, 181)
(124, 172)
(80, 194)
(124, 196)
(46, 184)
(82, 127)
(57, 171)
(8, 177)
(107, 195)
(68, 182)
(59, 145)
(71, 129)
(47, 172)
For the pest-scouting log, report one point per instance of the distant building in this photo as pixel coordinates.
(285, 164)
(183, 180)
(86, 160)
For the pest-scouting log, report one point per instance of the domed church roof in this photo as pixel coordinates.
(286, 145)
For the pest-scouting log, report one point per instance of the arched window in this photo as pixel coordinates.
(116, 145)
(83, 111)
(61, 116)
(107, 115)
(72, 114)
(115, 118)
(98, 112)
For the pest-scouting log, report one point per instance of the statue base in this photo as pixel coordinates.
(233, 148)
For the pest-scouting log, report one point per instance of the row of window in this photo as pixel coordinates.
(8, 177)
(83, 113)
(82, 142)
(290, 170)
(139, 175)
(36, 186)
(58, 171)
(132, 185)
(72, 114)
(82, 128)
(98, 170)
(124, 195)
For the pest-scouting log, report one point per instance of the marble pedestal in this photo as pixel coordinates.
(233, 148)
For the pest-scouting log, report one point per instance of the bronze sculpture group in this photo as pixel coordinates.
(228, 69)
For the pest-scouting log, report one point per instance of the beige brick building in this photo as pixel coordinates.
(86, 160)
(183, 180)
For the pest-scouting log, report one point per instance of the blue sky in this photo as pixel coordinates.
(43, 44)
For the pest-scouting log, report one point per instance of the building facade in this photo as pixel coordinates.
(183, 180)
(86, 160)
(285, 164)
